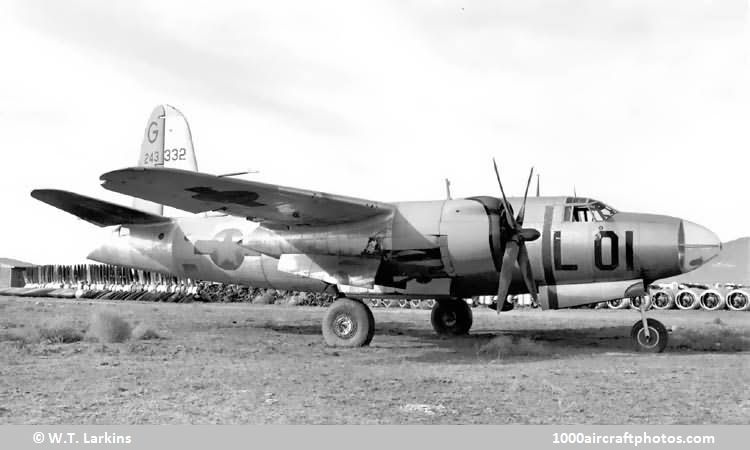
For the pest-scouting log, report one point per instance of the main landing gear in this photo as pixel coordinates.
(451, 317)
(348, 323)
(649, 335)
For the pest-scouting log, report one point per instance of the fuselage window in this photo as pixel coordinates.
(581, 214)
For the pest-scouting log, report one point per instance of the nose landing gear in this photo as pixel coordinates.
(649, 335)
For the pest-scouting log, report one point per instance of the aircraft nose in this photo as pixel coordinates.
(698, 245)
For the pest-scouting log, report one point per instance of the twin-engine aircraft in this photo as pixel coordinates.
(564, 251)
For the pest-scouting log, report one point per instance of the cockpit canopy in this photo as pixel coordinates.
(579, 209)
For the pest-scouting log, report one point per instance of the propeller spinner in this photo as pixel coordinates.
(515, 248)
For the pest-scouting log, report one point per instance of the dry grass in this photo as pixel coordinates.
(509, 346)
(143, 332)
(714, 336)
(107, 326)
(58, 331)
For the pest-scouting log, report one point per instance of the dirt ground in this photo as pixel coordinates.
(242, 363)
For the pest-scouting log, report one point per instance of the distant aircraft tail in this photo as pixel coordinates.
(167, 142)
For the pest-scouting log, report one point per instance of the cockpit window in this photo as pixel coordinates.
(592, 211)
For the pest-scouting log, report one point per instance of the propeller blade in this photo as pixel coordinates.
(508, 215)
(506, 272)
(522, 212)
(537, 185)
(525, 265)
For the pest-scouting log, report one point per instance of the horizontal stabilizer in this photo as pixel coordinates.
(98, 212)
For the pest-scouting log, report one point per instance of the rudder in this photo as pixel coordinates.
(167, 142)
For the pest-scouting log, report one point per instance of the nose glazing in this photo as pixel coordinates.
(697, 245)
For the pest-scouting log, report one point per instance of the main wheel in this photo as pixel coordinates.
(371, 332)
(656, 342)
(451, 317)
(348, 323)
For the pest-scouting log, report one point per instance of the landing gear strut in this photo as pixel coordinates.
(451, 317)
(649, 335)
(348, 323)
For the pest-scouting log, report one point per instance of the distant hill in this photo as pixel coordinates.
(731, 266)
(14, 263)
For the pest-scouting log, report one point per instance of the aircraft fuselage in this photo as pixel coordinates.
(434, 249)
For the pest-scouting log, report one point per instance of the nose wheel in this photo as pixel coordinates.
(649, 335)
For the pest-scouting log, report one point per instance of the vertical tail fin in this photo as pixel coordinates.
(167, 142)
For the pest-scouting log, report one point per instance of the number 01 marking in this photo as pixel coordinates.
(614, 248)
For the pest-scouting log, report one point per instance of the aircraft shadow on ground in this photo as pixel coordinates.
(528, 344)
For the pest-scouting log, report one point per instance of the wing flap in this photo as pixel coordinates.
(266, 203)
(95, 211)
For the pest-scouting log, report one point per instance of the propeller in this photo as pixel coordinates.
(515, 247)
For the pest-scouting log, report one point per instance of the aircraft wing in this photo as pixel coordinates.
(266, 203)
(95, 211)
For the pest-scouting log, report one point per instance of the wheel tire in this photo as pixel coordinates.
(656, 343)
(371, 332)
(451, 317)
(348, 323)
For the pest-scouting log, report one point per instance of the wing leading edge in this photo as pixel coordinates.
(266, 203)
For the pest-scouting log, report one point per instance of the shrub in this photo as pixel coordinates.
(264, 298)
(143, 332)
(106, 326)
(58, 332)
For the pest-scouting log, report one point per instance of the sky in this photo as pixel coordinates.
(644, 104)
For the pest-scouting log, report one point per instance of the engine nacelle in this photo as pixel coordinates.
(635, 302)
(687, 299)
(712, 300)
(738, 300)
(662, 299)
